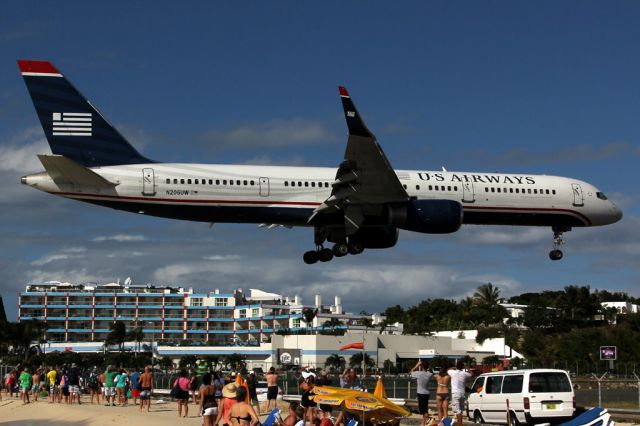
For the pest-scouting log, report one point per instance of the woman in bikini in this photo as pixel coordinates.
(241, 413)
(208, 400)
(442, 392)
(226, 403)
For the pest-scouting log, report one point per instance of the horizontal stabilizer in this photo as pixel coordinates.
(65, 171)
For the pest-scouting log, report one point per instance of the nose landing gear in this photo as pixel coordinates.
(558, 241)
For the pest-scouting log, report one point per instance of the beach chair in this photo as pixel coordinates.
(271, 418)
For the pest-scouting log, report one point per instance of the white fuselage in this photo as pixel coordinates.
(288, 195)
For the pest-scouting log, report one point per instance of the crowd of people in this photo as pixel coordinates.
(450, 389)
(220, 399)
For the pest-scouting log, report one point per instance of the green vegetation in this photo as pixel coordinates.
(558, 327)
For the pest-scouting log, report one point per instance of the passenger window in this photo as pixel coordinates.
(498, 189)
(549, 382)
(313, 184)
(168, 180)
(326, 184)
(512, 384)
(493, 189)
(238, 182)
(494, 383)
(286, 183)
(196, 182)
(510, 190)
(189, 181)
(230, 182)
(252, 183)
(547, 191)
(449, 188)
(175, 181)
(299, 183)
(245, 183)
(529, 190)
(306, 184)
(404, 186)
(210, 181)
(418, 187)
(553, 191)
(217, 181)
(224, 182)
(455, 188)
(486, 189)
(182, 181)
(535, 191)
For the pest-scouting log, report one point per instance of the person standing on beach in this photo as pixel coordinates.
(252, 384)
(182, 383)
(229, 394)
(421, 373)
(25, 385)
(35, 385)
(94, 385)
(272, 388)
(146, 388)
(442, 392)
(458, 379)
(193, 386)
(135, 385)
(122, 380)
(74, 383)
(109, 386)
(208, 400)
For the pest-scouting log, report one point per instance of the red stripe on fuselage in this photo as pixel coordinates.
(308, 204)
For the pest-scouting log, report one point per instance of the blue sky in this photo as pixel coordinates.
(524, 87)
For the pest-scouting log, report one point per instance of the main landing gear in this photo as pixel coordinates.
(338, 250)
(558, 241)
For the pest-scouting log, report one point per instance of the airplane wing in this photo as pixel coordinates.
(365, 179)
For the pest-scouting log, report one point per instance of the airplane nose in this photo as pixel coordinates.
(617, 213)
(23, 180)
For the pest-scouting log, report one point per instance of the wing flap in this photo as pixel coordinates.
(65, 171)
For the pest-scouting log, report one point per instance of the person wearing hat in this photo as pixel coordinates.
(229, 394)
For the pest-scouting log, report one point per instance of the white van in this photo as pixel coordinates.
(532, 396)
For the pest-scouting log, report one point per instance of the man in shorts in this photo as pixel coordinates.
(25, 385)
(109, 386)
(146, 388)
(458, 379)
(35, 385)
(135, 385)
(421, 373)
(74, 383)
(272, 388)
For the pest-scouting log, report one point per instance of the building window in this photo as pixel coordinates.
(196, 301)
(255, 312)
(296, 323)
(220, 301)
(243, 313)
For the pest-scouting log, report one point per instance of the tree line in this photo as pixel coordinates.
(565, 326)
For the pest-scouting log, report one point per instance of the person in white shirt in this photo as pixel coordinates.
(458, 378)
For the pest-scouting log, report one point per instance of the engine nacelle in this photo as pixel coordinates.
(427, 216)
(377, 237)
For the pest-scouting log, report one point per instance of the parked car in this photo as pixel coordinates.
(528, 396)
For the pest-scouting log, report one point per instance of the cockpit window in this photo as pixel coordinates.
(601, 195)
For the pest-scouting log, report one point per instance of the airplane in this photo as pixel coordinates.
(361, 204)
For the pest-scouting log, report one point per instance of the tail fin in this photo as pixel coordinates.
(73, 127)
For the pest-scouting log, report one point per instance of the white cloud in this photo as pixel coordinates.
(54, 258)
(120, 238)
(19, 153)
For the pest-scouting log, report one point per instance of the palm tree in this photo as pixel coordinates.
(487, 294)
(22, 335)
(117, 335)
(308, 315)
(356, 360)
(137, 336)
(335, 361)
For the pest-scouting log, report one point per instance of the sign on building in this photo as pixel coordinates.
(608, 353)
(289, 356)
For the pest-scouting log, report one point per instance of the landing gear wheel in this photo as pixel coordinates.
(555, 254)
(558, 241)
(310, 257)
(325, 255)
(355, 247)
(340, 249)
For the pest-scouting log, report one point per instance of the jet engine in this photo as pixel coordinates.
(427, 216)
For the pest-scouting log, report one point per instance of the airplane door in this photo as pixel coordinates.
(578, 196)
(148, 182)
(264, 187)
(468, 195)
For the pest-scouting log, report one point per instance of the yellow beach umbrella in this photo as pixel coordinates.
(380, 392)
(367, 405)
